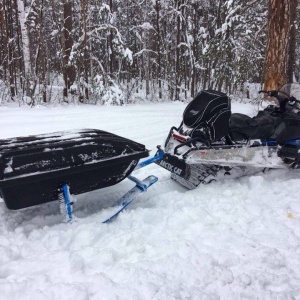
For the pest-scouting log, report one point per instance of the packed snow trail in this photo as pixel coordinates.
(233, 239)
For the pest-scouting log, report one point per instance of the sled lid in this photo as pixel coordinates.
(205, 105)
(23, 156)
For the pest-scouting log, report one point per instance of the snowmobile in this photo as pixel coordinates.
(212, 142)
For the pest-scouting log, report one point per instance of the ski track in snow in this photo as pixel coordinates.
(227, 240)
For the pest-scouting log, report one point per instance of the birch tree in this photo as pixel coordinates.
(27, 74)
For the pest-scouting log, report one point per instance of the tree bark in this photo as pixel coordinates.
(84, 59)
(3, 42)
(111, 45)
(280, 52)
(41, 56)
(6, 48)
(26, 50)
(69, 72)
(177, 64)
(158, 38)
(194, 48)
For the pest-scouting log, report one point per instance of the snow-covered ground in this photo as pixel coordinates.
(232, 239)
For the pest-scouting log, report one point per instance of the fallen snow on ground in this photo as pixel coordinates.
(233, 239)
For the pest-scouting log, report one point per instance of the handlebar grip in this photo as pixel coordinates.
(272, 93)
(293, 99)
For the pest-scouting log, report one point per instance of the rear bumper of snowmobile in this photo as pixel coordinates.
(186, 174)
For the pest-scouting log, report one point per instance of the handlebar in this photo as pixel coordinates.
(274, 93)
(266, 92)
(283, 100)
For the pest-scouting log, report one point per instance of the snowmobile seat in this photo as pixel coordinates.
(263, 126)
(208, 115)
(242, 127)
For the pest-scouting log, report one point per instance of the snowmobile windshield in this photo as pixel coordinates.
(292, 90)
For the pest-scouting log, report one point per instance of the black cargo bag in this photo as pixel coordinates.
(208, 115)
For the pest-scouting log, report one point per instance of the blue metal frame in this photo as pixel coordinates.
(295, 142)
(158, 156)
(65, 190)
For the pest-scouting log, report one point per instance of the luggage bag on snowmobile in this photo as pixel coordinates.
(207, 116)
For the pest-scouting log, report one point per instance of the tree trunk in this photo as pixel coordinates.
(83, 58)
(194, 48)
(3, 42)
(69, 72)
(6, 50)
(111, 46)
(280, 52)
(41, 57)
(158, 38)
(86, 50)
(178, 69)
(26, 50)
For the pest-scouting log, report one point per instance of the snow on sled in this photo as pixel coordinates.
(40, 168)
(212, 142)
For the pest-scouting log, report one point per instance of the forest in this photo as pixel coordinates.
(115, 52)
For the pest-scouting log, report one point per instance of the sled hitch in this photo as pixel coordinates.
(156, 158)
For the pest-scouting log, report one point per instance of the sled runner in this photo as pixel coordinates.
(212, 142)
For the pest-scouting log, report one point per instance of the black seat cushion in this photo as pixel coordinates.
(242, 126)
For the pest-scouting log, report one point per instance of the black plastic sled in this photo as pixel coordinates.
(33, 167)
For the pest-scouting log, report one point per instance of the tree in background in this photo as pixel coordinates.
(281, 39)
(112, 51)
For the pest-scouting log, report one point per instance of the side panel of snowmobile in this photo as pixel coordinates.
(260, 156)
(32, 167)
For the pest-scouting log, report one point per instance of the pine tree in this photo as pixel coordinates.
(280, 52)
